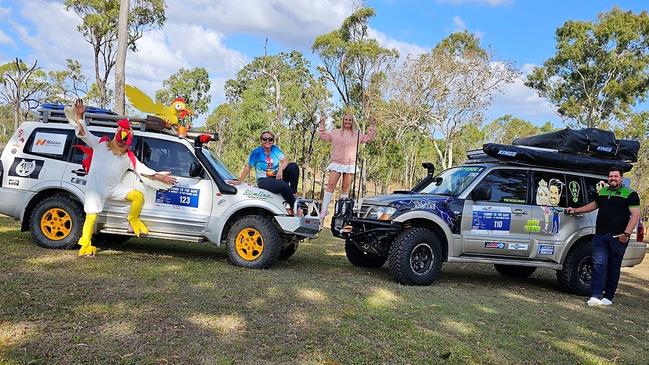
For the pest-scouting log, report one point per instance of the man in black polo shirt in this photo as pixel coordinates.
(618, 215)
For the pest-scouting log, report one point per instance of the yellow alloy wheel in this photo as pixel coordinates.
(249, 244)
(56, 224)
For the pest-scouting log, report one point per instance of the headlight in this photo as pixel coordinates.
(381, 213)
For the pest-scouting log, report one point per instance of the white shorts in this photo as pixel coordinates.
(348, 169)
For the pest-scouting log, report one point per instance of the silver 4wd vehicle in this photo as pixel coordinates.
(485, 211)
(42, 184)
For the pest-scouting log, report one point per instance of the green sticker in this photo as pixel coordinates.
(574, 191)
(532, 226)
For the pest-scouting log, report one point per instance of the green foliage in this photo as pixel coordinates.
(99, 28)
(599, 71)
(351, 59)
(507, 128)
(193, 85)
(23, 87)
(68, 84)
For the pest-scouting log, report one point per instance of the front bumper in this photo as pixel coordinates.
(308, 227)
(360, 228)
(635, 253)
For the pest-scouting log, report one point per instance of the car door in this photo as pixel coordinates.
(494, 225)
(551, 228)
(186, 207)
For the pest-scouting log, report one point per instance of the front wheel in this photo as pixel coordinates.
(575, 276)
(254, 242)
(416, 257)
(56, 222)
(360, 258)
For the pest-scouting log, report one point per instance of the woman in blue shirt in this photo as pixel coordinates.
(272, 169)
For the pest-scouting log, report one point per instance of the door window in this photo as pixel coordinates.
(50, 142)
(575, 191)
(162, 155)
(593, 185)
(549, 189)
(78, 155)
(507, 186)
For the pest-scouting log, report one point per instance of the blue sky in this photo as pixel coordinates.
(222, 35)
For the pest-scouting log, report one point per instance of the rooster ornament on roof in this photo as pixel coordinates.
(171, 114)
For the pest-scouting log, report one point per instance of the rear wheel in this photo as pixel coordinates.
(56, 222)
(575, 276)
(416, 257)
(254, 242)
(514, 271)
(360, 258)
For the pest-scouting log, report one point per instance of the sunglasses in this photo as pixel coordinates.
(267, 139)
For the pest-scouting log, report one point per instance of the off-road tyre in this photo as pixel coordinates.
(415, 257)
(360, 258)
(513, 271)
(56, 222)
(576, 273)
(267, 241)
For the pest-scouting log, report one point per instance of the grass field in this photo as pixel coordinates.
(175, 303)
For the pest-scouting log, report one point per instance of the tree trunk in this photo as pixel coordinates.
(100, 83)
(122, 43)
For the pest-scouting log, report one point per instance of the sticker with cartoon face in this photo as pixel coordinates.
(25, 167)
(548, 197)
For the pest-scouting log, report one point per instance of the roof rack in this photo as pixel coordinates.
(54, 113)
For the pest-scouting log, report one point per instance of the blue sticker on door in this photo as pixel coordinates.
(179, 196)
(491, 220)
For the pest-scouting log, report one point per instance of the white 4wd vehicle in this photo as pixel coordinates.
(42, 185)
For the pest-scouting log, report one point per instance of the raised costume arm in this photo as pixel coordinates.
(324, 135)
(75, 119)
(371, 132)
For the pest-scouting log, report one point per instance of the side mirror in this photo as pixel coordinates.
(481, 192)
(195, 170)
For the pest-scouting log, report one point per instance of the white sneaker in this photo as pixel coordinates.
(606, 302)
(592, 302)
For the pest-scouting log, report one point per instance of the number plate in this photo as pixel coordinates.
(179, 196)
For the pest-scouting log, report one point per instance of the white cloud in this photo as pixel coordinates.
(5, 39)
(521, 101)
(405, 49)
(483, 2)
(460, 25)
(294, 23)
(4, 12)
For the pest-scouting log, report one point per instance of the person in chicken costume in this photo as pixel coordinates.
(110, 160)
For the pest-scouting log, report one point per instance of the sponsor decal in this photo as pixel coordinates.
(50, 143)
(221, 202)
(13, 182)
(546, 250)
(573, 186)
(491, 220)
(532, 226)
(257, 194)
(517, 246)
(604, 149)
(21, 136)
(500, 245)
(178, 196)
(507, 153)
(76, 180)
(25, 167)
(13, 151)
